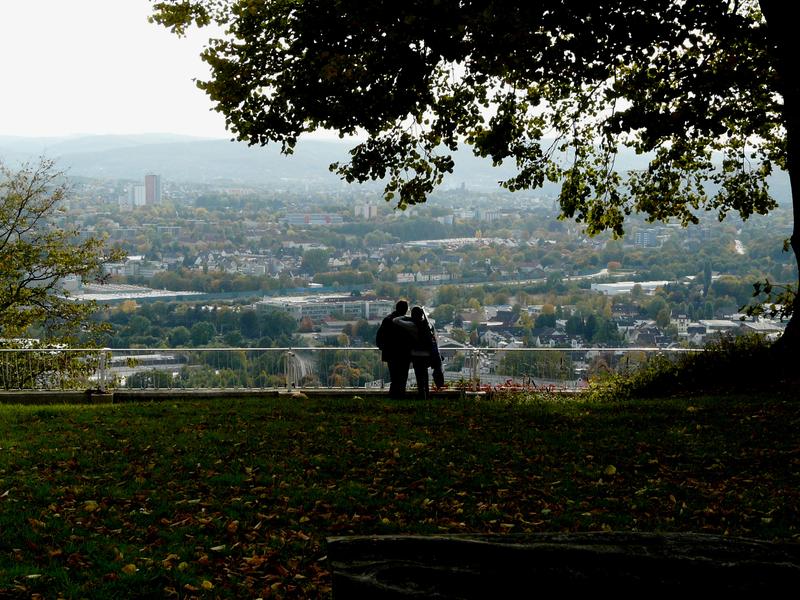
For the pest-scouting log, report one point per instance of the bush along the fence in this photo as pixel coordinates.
(736, 364)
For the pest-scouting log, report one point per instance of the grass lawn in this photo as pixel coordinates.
(234, 498)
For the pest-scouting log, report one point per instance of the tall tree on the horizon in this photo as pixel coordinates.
(705, 89)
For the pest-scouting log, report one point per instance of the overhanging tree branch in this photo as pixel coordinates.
(675, 81)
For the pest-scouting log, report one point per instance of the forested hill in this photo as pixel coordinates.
(188, 159)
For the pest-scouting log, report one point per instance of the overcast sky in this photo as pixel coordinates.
(98, 67)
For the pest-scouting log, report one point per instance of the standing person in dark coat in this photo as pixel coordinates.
(421, 339)
(395, 350)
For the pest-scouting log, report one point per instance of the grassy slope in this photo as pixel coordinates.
(235, 498)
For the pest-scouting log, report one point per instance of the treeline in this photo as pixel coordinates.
(174, 324)
(216, 281)
(411, 229)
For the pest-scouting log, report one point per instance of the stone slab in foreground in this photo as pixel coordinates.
(534, 565)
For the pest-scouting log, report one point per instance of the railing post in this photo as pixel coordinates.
(474, 358)
(288, 369)
(103, 384)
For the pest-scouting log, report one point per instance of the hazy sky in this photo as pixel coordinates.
(98, 66)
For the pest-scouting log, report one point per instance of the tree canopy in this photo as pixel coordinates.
(36, 257)
(703, 89)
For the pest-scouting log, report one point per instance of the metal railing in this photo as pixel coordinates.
(306, 367)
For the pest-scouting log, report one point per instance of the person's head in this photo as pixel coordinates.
(401, 307)
(417, 314)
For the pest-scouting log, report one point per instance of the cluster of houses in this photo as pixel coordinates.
(498, 327)
(248, 263)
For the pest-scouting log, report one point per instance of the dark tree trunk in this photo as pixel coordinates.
(782, 31)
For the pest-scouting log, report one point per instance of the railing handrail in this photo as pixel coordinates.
(358, 348)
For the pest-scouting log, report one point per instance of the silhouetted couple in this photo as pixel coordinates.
(405, 341)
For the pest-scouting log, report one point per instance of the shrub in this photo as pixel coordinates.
(735, 364)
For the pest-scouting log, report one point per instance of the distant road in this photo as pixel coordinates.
(599, 274)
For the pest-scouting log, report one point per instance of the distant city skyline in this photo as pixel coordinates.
(98, 67)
